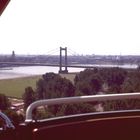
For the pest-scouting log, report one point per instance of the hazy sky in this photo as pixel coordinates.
(84, 26)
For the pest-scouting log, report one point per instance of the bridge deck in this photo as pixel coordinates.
(56, 65)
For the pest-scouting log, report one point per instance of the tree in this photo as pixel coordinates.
(4, 102)
(54, 86)
(114, 77)
(132, 82)
(95, 82)
(129, 84)
(40, 88)
(28, 97)
(78, 108)
(89, 81)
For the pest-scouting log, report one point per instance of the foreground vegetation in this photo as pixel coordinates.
(88, 82)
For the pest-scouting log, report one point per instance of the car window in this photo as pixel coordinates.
(68, 49)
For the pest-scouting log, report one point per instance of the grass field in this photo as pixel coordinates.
(15, 87)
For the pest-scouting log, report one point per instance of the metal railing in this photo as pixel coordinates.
(78, 99)
(7, 121)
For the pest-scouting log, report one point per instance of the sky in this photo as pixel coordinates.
(107, 27)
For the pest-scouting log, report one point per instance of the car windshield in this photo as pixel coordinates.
(58, 49)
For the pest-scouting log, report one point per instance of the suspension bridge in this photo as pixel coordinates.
(63, 60)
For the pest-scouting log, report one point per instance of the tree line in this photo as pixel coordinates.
(87, 82)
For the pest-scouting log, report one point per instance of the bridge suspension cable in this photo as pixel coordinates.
(72, 52)
(57, 50)
(52, 51)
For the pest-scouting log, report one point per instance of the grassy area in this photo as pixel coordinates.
(15, 87)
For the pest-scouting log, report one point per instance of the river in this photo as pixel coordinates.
(25, 71)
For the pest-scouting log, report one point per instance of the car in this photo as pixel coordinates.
(122, 124)
(7, 129)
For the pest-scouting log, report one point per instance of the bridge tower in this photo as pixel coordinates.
(61, 61)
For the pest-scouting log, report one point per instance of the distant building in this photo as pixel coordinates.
(13, 57)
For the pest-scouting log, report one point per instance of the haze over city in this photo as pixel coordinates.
(85, 26)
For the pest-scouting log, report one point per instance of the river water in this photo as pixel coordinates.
(24, 71)
(15, 72)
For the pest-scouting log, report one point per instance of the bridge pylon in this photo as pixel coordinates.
(61, 61)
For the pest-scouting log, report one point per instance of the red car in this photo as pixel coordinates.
(100, 125)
